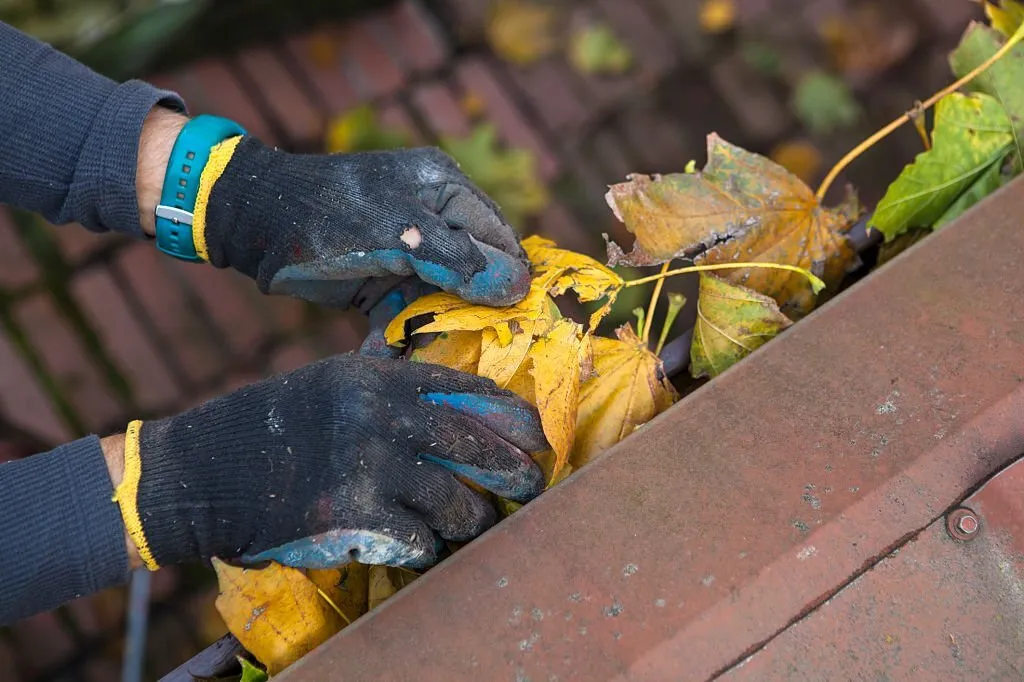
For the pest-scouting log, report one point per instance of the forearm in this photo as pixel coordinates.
(70, 138)
(62, 535)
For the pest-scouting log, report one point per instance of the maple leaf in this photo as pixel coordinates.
(732, 322)
(456, 349)
(740, 207)
(522, 31)
(595, 49)
(628, 389)
(276, 612)
(345, 588)
(509, 176)
(972, 137)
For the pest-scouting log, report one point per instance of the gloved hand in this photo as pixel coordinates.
(348, 459)
(321, 227)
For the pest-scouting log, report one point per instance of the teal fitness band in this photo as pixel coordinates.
(181, 184)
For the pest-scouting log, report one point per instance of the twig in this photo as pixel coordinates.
(868, 143)
(816, 284)
(654, 303)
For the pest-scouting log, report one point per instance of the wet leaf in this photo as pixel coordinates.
(275, 612)
(1006, 16)
(558, 364)
(595, 49)
(628, 389)
(359, 131)
(717, 16)
(509, 176)
(456, 349)
(824, 103)
(1002, 80)
(522, 31)
(740, 207)
(732, 322)
(972, 135)
(381, 587)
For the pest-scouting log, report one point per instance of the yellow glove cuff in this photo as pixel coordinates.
(127, 494)
(220, 155)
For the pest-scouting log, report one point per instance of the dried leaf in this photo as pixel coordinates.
(628, 390)
(595, 49)
(456, 349)
(522, 31)
(275, 612)
(558, 363)
(509, 176)
(501, 362)
(799, 157)
(717, 16)
(381, 587)
(345, 587)
(732, 322)
(740, 207)
(359, 131)
(972, 136)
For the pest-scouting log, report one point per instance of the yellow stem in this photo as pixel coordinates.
(654, 303)
(816, 283)
(333, 605)
(868, 143)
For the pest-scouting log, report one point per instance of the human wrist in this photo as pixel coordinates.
(113, 454)
(159, 132)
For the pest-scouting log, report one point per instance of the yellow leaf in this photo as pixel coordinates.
(275, 612)
(799, 157)
(522, 31)
(558, 360)
(628, 390)
(500, 362)
(345, 586)
(717, 16)
(740, 207)
(561, 270)
(503, 333)
(456, 349)
(1006, 17)
(381, 588)
(732, 322)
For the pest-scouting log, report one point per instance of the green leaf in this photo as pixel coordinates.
(972, 132)
(991, 179)
(824, 103)
(509, 176)
(595, 49)
(1003, 80)
(250, 673)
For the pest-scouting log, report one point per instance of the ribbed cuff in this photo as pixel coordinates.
(103, 193)
(64, 535)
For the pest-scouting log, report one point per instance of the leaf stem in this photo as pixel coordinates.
(333, 606)
(675, 304)
(646, 334)
(868, 143)
(816, 283)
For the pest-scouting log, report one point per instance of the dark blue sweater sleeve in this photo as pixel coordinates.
(69, 137)
(62, 534)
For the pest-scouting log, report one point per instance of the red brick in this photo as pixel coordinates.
(290, 105)
(751, 99)
(227, 297)
(16, 265)
(615, 162)
(329, 80)
(416, 36)
(76, 244)
(345, 332)
(23, 401)
(168, 310)
(375, 72)
(393, 116)
(41, 642)
(124, 338)
(210, 87)
(549, 87)
(558, 223)
(654, 138)
(291, 357)
(681, 18)
(440, 108)
(470, 20)
(64, 358)
(950, 18)
(653, 53)
(478, 78)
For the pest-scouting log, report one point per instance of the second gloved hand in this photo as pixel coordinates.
(323, 227)
(347, 459)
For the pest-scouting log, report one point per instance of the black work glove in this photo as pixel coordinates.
(322, 227)
(348, 459)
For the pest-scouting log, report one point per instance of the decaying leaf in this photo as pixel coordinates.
(732, 322)
(1002, 80)
(275, 612)
(595, 49)
(345, 587)
(381, 587)
(559, 361)
(971, 138)
(501, 362)
(456, 349)
(522, 31)
(628, 389)
(563, 270)
(740, 207)
(509, 176)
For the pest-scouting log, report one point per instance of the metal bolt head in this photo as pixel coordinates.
(963, 524)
